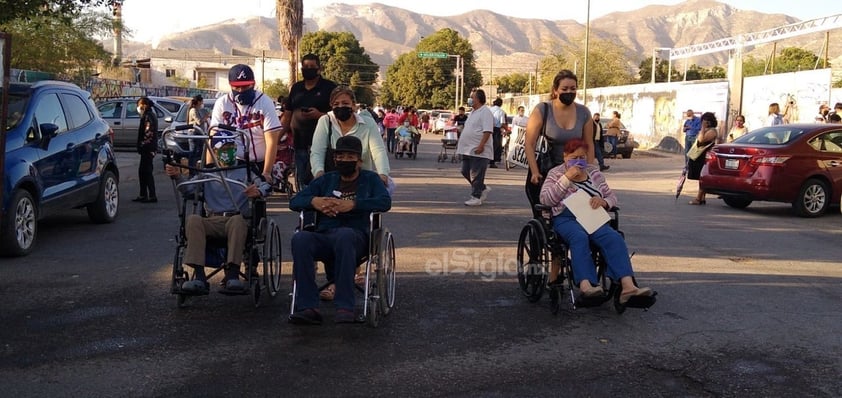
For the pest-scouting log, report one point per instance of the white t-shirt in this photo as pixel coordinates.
(479, 122)
(259, 118)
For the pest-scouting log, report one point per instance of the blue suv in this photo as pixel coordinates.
(58, 156)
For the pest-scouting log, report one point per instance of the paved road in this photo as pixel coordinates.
(748, 305)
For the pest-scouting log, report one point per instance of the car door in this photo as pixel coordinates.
(829, 153)
(85, 140)
(55, 165)
(113, 112)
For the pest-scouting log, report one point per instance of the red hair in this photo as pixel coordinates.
(574, 144)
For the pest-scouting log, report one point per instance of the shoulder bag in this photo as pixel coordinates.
(543, 152)
(330, 164)
(697, 151)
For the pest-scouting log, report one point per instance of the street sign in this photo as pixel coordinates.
(432, 55)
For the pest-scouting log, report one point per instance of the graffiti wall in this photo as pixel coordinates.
(107, 88)
(798, 94)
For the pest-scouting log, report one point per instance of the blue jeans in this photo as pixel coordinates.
(342, 247)
(610, 244)
(597, 151)
(612, 139)
(473, 169)
(303, 174)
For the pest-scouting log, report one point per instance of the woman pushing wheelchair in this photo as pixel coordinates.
(561, 182)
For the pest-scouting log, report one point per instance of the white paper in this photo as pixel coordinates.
(580, 205)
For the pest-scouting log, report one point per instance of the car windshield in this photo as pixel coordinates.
(181, 117)
(17, 107)
(774, 135)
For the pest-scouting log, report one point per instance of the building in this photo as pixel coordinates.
(209, 68)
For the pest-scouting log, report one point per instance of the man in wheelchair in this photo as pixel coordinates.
(224, 218)
(344, 200)
(564, 180)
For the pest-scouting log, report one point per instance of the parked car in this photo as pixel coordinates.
(121, 114)
(58, 156)
(799, 164)
(180, 117)
(625, 142)
(443, 120)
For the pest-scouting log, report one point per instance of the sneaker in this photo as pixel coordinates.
(493, 165)
(309, 316)
(235, 285)
(344, 315)
(603, 168)
(196, 286)
(473, 201)
(484, 194)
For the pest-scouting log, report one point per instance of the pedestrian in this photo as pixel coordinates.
(500, 124)
(249, 109)
(834, 119)
(519, 120)
(612, 133)
(774, 118)
(703, 143)
(147, 146)
(476, 149)
(307, 101)
(824, 110)
(598, 138)
(390, 123)
(692, 126)
(459, 119)
(196, 115)
(739, 129)
(565, 120)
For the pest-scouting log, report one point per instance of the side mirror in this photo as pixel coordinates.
(48, 131)
(168, 119)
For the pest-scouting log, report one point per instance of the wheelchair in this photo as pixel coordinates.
(262, 251)
(378, 287)
(539, 245)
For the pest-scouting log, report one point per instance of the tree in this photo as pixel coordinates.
(606, 64)
(180, 81)
(794, 59)
(431, 82)
(343, 61)
(32, 10)
(513, 83)
(661, 71)
(753, 66)
(275, 89)
(290, 27)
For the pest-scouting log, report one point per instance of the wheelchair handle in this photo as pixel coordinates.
(183, 127)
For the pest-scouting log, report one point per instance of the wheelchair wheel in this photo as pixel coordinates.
(372, 317)
(272, 259)
(386, 273)
(532, 261)
(252, 264)
(179, 276)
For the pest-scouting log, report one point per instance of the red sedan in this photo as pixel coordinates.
(799, 164)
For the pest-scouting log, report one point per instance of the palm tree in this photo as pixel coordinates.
(290, 26)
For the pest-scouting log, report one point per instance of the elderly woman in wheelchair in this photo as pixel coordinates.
(344, 200)
(611, 251)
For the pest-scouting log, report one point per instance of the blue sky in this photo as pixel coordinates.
(151, 19)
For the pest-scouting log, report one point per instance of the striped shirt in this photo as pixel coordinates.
(558, 187)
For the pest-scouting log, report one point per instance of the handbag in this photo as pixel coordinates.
(330, 164)
(517, 151)
(696, 151)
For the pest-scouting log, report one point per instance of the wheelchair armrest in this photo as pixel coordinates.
(541, 207)
(374, 221)
(307, 220)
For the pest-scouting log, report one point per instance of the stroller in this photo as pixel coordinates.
(450, 140)
(284, 167)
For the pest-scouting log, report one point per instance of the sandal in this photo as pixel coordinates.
(697, 202)
(359, 278)
(328, 292)
(639, 292)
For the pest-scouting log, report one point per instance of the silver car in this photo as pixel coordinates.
(121, 114)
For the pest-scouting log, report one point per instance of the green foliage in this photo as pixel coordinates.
(661, 71)
(50, 44)
(517, 83)
(696, 72)
(606, 64)
(753, 66)
(344, 61)
(794, 59)
(837, 84)
(180, 81)
(64, 10)
(275, 89)
(431, 82)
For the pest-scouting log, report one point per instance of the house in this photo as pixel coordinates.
(209, 68)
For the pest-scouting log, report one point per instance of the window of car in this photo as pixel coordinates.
(776, 135)
(76, 109)
(828, 142)
(171, 107)
(17, 107)
(48, 110)
(111, 110)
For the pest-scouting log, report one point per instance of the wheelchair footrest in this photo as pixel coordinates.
(641, 302)
(585, 302)
(179, 290)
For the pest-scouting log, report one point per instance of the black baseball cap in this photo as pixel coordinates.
(349, 143)
(240, 75)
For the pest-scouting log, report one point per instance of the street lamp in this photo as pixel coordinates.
(587, 47)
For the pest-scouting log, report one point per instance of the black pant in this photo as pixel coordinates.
(145, 176)
(533, 193)
(497, 144)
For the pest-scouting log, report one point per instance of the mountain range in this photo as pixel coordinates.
(507, 44)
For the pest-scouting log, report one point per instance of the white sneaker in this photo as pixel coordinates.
(473, 201)
(484, 195)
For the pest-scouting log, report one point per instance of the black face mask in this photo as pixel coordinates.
(310, 73)
(346, 168)
(343, 113)
(567, 98)
(245, 97)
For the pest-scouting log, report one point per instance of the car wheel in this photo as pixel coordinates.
(20, 225)
(627, 155)
(813, 199)
(607, 147)
(737, 203)
(104, 209)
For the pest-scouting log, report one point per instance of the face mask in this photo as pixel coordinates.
(343, 113)
(245, 97)
(581, 163)
(567, 98)
(310, 73)
(470, 102)
(406, 124)
(139, 110)
(346, 168)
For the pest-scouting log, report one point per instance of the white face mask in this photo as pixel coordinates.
(139, 110)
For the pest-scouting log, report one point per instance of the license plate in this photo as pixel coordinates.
(732, 163)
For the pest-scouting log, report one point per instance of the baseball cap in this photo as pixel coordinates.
(349, 143)
(240, 75)
(221, 138)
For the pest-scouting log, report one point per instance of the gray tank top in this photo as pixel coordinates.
(558, 136)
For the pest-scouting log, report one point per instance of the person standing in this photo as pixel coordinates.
(249, 109)
(390, 123)
(307, 101)
(597, 142)
(499, 125)
(705, 141)
(774, 117)
(692, 126)
(147, 145)
(520, 120)
(739, 129)
(476, 148)
(459, 119)
(612, 132)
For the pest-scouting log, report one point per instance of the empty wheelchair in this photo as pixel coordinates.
(539, 245)
(261, 268)
(377, 289)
